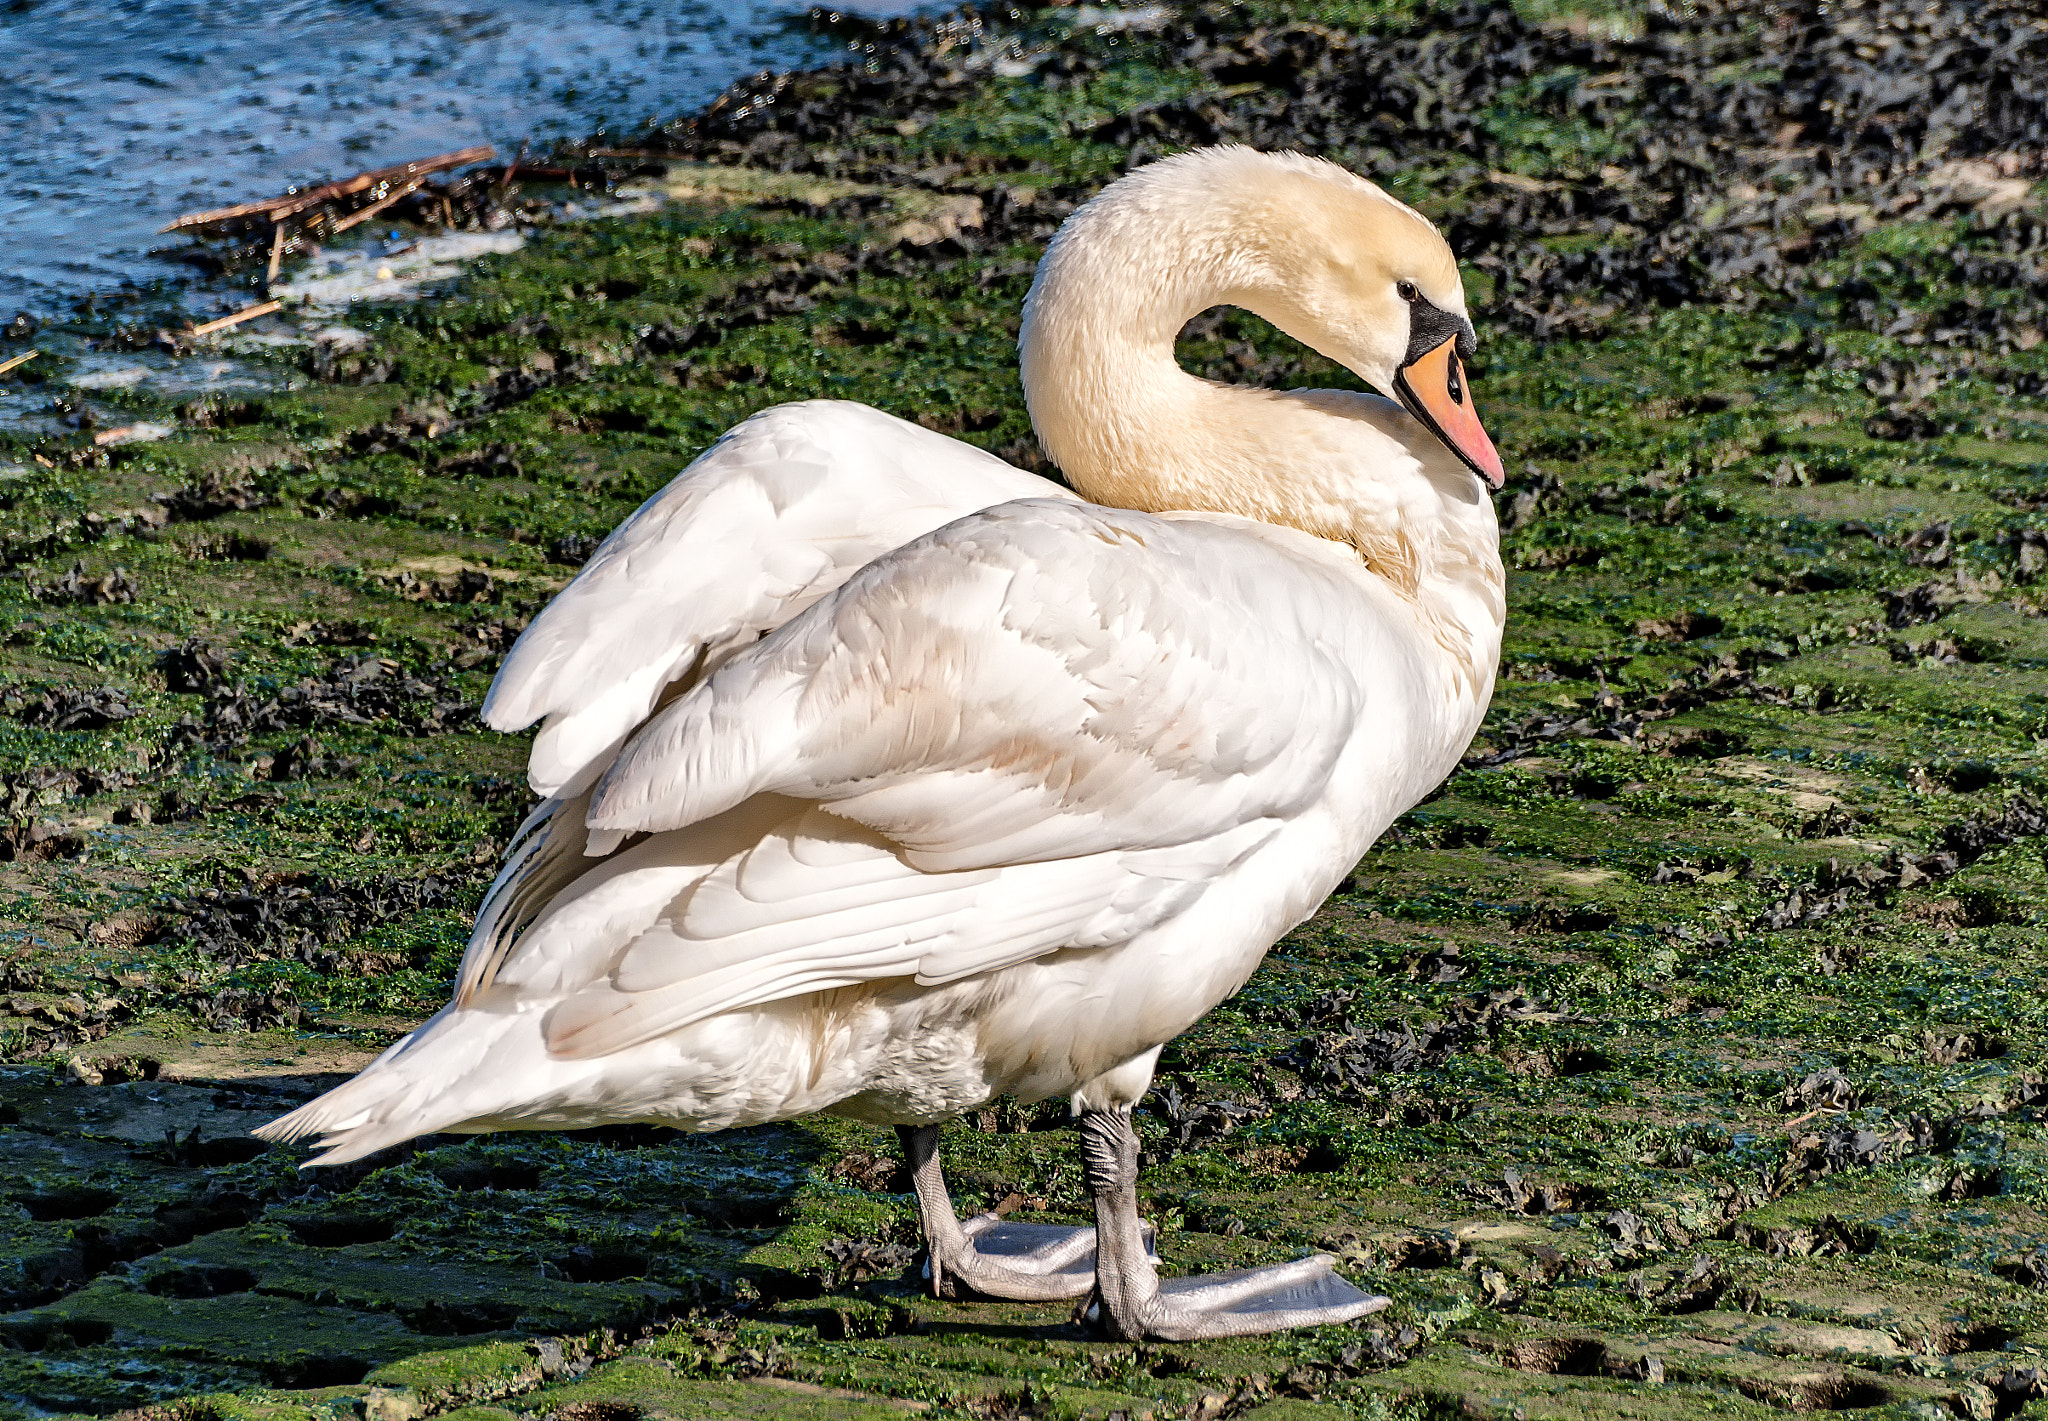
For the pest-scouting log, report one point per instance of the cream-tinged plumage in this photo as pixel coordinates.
(884, 778)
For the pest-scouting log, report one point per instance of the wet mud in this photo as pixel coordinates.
(1685, 1055)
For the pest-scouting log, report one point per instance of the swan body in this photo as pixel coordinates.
(883, 778)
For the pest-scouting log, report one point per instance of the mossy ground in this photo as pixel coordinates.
(1687, 1054)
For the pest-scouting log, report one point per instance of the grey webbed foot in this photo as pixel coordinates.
(1306, 1293)
(990, 1256)
(1130, 1302)
(1022, 1261)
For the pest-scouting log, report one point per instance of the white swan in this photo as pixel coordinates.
(1015, 786)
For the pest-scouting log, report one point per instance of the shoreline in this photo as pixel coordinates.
(117, 121)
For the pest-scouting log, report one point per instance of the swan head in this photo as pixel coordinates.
(1368, 282)
(1326, 256)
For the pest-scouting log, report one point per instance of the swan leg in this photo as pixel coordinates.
(987, 1256)
(1130, 1303)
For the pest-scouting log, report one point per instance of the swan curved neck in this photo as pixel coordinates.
(1110, 401)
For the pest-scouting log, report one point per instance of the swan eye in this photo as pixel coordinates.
(1406, 291)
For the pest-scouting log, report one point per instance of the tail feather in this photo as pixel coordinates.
(353, 1120)
(401, 1094)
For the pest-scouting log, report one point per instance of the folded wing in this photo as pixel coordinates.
(773, 516)
(1046, 726)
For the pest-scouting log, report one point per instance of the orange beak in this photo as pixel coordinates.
(1434, 389)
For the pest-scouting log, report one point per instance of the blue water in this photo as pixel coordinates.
(118, 115)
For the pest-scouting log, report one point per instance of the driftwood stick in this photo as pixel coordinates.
(277, 236)
(276, 209)
(22, 359)
(542, 173)
(376, 207)
(505, 183)
(247, 313)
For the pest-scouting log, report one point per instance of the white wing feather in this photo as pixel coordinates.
(1041, 680)
(772, 517)
(821, 903)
